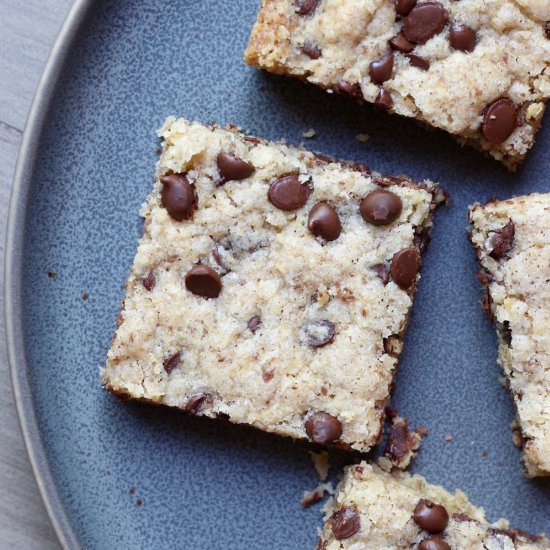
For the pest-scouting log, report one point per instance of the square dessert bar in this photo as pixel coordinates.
(512, 240)
(373, 509)
(478, 69)
(271, 287)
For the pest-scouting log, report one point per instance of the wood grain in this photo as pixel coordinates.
(27, 32)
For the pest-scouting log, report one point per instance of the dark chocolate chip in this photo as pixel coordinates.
(195, 403)
(417, 61)
(172, 362)
(203, 281)
(178, 196)
(462, 38)
(288, 193)
(381, 69)
(506, 333)
(233, 168)
(323, 428)
(433, 542)
(305, 7)
(312, 51)
(323, 221)
(404, 7)
(345, 523)
(254, 324)
(149, 281)
(430, 516)
(347, 88)
(400, 442)
(381, 207)
(401, 44)
(383, 273)
(318, 333)
(405, 267)
(383, 100)
(500, 119)
(502, 241)
(425, 21)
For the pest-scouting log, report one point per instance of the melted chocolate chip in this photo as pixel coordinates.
(254, 324)
(417, 61)
(462, 38)
(323, 428)
(381, 69)
(502, 241)
(195, 403)
(149, 281)
(401, 44)
(345, 523)
(499, 121)
(312, 51)
(172, 362)
(404, 7)
(433, 542)
(347, 88)
(324, 222)
(233, 168)
(305, 7)
(383, 273)
(318, 333)
(405, 267)
(288, 193)
(430, 516)
(425, 21)
(178, 196)
(381, 207)
(383, 100)
(203, 281)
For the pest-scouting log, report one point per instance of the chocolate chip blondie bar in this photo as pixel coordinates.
(373, 509)
(478, 69)
(512, 240)
(271, 286)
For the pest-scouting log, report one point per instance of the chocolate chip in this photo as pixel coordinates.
(195, 403)
(401, 44)
(425, 21)
(305, 7)
(430, 516)
(383, 100)
(462, 38)
(312, 51)
(233, 168)
(381, 207)
(400, 442)
(178, 196)
(345, 523)
(547, 29)
(323, 221)
(383, 273)
(502, 241)
(254, 324)
(203, 281)
(288, 193)
(506, 333)
(499, 121)
(433, 542)
(318, 333)
(149, 281)
(347, 88)
(381, 69)
(404, 7)
(417, 61)
(323, 428)
(172, 362)
(405, 267)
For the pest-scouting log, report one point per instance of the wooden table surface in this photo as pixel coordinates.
(27, 32)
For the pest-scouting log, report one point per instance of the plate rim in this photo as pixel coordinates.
(14, 244)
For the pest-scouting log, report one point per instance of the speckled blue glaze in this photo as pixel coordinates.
(202, 484)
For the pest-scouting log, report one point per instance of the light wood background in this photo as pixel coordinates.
(27, 31)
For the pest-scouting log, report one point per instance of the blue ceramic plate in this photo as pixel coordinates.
(133, 476)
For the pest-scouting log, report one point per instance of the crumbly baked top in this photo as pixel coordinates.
(271, 286)
(377, 510)
(512, 239)
(479, 69)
